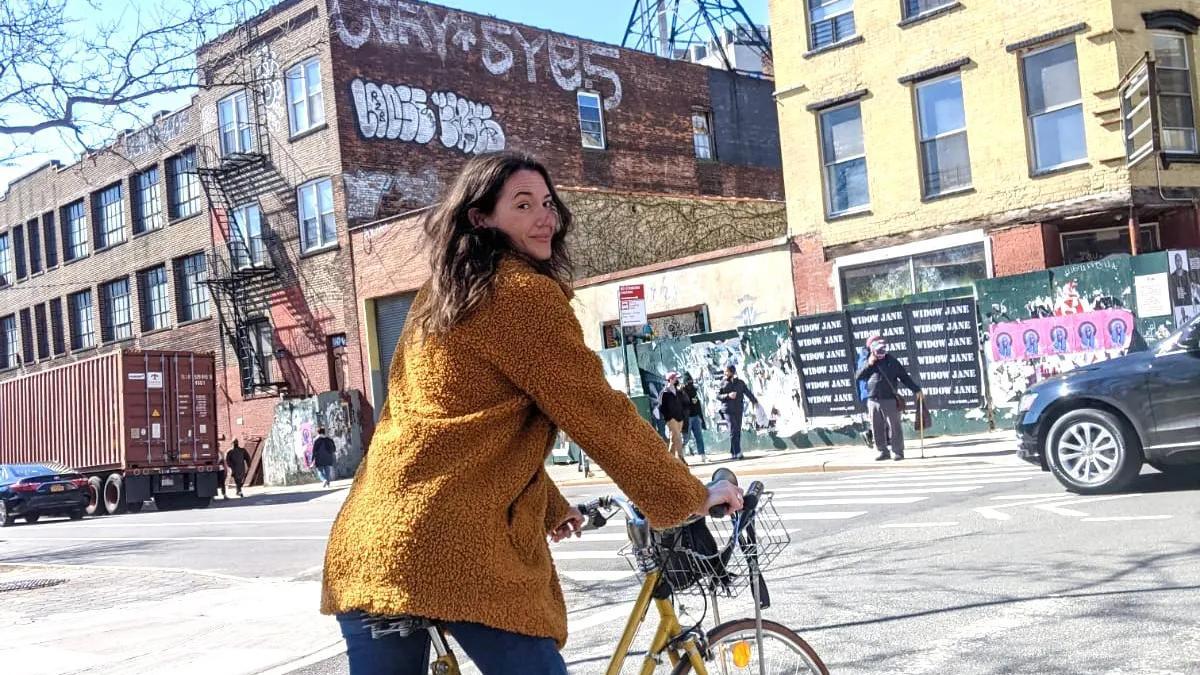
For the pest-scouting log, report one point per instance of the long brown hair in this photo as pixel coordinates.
(464, 258)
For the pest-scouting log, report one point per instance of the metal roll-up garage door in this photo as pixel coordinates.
(390, 313)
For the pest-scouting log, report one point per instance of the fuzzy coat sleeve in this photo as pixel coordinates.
(537, 343)
(556, 504)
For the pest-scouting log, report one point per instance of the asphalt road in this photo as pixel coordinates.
(964, 568)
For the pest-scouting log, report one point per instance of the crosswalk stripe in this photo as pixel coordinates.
(941, 472)
(822, 515)
(950, 523)
(899, 484)
(1060, 493)
(854, 500)
(868, 493)
(595, 575)
(585, 555)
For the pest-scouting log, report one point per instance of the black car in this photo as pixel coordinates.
(35, 490)
(1093, 427)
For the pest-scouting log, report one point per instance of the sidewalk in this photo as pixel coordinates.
(991, 447)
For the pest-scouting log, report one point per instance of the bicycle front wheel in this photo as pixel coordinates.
(733, 650)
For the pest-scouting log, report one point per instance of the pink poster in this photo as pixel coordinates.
(1071, 334)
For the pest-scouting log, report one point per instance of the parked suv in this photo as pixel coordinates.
(1093, 427)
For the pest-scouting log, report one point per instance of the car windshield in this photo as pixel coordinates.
(19, 471)
(1172, 343)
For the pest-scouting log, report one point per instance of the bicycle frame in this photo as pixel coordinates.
(669, 628)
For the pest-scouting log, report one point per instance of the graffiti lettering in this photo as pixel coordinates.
(531, 49)
(565, 69)
(164, 130)
(409, 114)
(497, 56)
(467, 125)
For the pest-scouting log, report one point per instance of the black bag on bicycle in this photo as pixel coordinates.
(692, 554)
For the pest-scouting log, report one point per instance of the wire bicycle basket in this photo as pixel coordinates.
(703, 558)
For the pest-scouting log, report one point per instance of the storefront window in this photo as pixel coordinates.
(661, 327)
(950, 268)
(1096, 244)
(922, 273)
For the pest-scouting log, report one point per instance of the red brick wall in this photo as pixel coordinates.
(1179, 229)
(1020, 249)
(811, 274)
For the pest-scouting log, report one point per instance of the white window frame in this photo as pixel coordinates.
(323, 242)
(307, 112)
(6, 259)
(581, 94)
(703, 137)
(110, 311)
(906, 14)
(832, 20)
(1030, 138)
(827, 165)
(10, 341)
(922, 139)
(110, 217)
(241, 140)
(82, 325)
(246, 228)
(1189, 69)
(192, 273)
(156, 305)
(909, 250)
(147, 214)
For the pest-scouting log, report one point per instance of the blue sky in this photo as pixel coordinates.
(600, 20)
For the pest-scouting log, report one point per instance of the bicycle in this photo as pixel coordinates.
(683, 561)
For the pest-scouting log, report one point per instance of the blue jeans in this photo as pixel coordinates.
(327, 473)
(695, 429)
(494, 651)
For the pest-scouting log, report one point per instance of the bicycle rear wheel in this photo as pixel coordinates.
(733, 650)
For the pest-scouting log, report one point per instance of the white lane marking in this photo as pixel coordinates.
(929, 482)
(1057, 507)
(949, 523)
(899, 477)
(594, 535)
(133, 522)
(1113, 519)
(941, 472)
(584, 555)
(994, 512)
(855, 500)
(148, 568)
(596, 575)
(599, 618)
(868, 493)
(37, 539)
(822, 515)
(1043, 495)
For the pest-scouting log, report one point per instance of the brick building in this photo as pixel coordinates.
(953, 141)
(286, 240)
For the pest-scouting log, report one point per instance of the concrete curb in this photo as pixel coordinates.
(322, 654)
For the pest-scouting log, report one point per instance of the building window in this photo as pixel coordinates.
(702, 135)
(147, 205)
(591, 119)
(945, 269)
(183, 186)
(233, 119)
(306, 102)
(915, 8)
(116, 320)
(259, 370)
(942, 123)
(27, 335)
(18, 246)
(74, 223)
(672, 324)
(41, 332)
(156, 307)
(83, 328)
(1175, 107)
(318, 229)
(5, 261)
(845, 159)
(1054, 107)
(1089, 245)
(56, 326)
(10, 357)
(830, 22)
(246, 247)
(192, 299)
(34, 232)
(109, 217)
(50, 240)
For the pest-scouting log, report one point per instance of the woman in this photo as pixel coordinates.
(449, 513)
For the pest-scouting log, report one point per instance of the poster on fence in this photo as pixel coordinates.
(1087, 332)
(889, 322)
(944, 347)
(821, 347)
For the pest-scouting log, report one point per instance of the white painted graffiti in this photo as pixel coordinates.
(396, 23)
(266, 73)
(365, 190)
(161, 132)
(409, 114)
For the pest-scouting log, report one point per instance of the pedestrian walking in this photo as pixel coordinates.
(221, 479)
(238, 461)
(733, 395)
(491, 361)
(882, 373)
(695, 425)
(673, 407)
(325, 457)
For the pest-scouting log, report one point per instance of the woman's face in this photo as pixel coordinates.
(525, 212)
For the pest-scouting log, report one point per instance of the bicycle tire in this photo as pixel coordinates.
(772, 631)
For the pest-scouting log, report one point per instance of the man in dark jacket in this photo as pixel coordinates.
(695, 423)
(673, 407)
(733, 397)
(324, 456)
(882, 373)
(238, 461)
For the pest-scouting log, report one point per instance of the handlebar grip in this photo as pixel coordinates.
(592, 517)
(752, 495)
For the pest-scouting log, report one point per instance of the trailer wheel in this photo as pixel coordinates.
(114, 494)
(95, 505)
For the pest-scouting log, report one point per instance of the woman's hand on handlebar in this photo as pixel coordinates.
(722, 494)
(571, 524)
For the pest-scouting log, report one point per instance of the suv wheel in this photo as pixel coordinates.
(1092, 451)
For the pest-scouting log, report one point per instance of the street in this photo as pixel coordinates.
(974, 565)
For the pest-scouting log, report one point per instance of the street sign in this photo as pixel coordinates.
(633, 305)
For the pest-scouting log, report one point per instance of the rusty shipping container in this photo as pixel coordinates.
(140, 425)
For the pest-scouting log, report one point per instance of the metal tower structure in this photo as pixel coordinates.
(669, 28)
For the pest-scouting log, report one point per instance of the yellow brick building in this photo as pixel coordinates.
(979, 138)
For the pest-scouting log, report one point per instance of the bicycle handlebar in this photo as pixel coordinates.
(596, 518)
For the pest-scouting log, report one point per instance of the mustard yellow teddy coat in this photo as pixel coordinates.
(448, 515)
